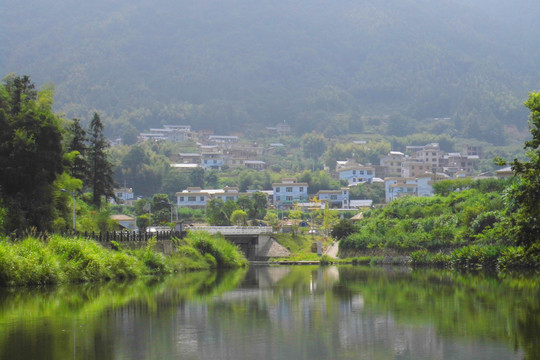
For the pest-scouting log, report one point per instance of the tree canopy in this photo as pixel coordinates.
(31, 154)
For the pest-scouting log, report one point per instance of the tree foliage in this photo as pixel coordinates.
(101, 170)
(524, 194)
(31, 154)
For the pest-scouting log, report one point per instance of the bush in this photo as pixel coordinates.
(475, 257)
(225, 253)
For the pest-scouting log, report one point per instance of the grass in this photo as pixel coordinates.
(54, 260)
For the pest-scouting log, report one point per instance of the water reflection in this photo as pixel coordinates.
(279, 313)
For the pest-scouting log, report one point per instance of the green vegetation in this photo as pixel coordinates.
(55, 260)
(262, 69)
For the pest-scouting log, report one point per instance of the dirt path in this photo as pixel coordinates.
(332, 250)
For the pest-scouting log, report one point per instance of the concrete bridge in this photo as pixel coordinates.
(256, 242)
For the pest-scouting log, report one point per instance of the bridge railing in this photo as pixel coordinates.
(234, 230)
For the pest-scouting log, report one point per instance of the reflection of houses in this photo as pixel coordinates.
(399, 187)
(356, 173)
(288, 192)
(196, 197)
(335, 198)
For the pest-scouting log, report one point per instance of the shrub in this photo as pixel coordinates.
(225, 253)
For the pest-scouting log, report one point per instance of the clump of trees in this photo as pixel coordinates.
(246, 208)
(42, 154)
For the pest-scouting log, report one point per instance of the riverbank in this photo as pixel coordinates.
(56, 259)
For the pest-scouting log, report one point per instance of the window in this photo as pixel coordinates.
(354, 172)
(353, 180)
(277, 189)
(202, 198)
(289, 198)
(278, 198)
(288, 189)
(181, 198)
(192, 198)
(230, 198)
(369, 172)
(301, 189)
(333, 197)
(215, 161)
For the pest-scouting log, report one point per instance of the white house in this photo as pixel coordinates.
(356, 173)
(399, 187)
(196, 197)
(288, 192)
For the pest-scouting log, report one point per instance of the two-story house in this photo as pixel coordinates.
(356, 173)
(399, 187)
(196, 197)
(392, 163)
(335, 198)
(211, 157)
(288, 192)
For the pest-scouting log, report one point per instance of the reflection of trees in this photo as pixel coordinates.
(46, 323)
(499, 307)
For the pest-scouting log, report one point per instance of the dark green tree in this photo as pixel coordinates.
(101, 170)
(215, 214)
(260, 204)
(313, 145)
(196, 177)
(524, 195)
(342, 229)
(31, 154)
(79, 166)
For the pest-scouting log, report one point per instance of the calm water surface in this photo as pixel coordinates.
(279, 313)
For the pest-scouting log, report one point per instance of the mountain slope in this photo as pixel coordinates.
(334, 66)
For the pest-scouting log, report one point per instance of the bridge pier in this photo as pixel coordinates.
(256, 242)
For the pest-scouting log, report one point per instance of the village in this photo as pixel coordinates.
(409, 173)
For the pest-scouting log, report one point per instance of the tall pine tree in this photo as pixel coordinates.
(79, 167)
(101, 170)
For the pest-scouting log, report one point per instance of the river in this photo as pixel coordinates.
(297, 312)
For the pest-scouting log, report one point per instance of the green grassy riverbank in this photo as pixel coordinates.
(56, 259)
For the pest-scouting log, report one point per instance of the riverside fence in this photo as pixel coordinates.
(107, 236)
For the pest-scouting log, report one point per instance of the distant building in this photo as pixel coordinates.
(335, 198)
(399, 187)
(505, 172)
(392, 163)
(211, 157)
(288, 192)
(124, 196)
(172, 133)
(356, 173)
(222, 139)
(125, 221)
(196, 197)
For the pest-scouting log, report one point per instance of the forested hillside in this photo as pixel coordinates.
(340, 66)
